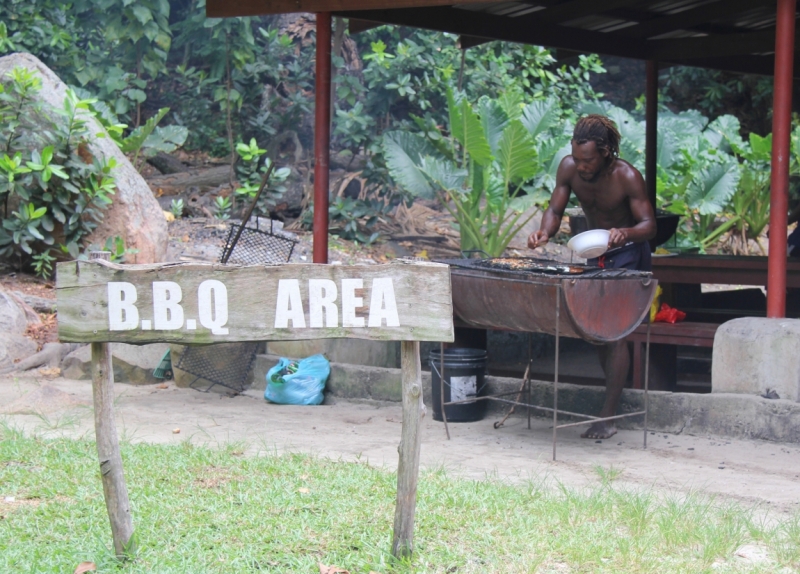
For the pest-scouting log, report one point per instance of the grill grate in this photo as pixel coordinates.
(257, 246)
(224, 364)
(531, 267)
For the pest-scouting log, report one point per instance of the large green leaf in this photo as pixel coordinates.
(712, 188)
(511, 102)
(136, 139)
(629, 129)
(444, 173)
(472, 136)
(723, 133)
(517, 154)
(404, 152)
(165, 139)
(539, 116)
(454, 113)
(761, 147)
(667, 149)
(493, 119)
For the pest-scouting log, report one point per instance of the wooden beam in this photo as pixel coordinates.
(355, 26)
(579, 8)
(758, 65)
(232, 8)
(112, 476)
(410, 441)
(526, 30)
(688, 18)
(713, 46)
(466, 42)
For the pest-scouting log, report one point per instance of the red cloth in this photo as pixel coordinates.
(669, 314)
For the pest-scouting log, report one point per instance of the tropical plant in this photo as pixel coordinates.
(52, 188)
(481, 172)
(176, 207)
(251, 169)
(222, 207)
(148, 139)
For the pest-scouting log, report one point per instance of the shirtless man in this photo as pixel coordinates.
(613, 196)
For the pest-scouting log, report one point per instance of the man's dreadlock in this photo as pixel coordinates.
(600, 130)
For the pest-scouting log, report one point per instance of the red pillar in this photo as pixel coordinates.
(651, 130)
(781, 128)
(322, 136)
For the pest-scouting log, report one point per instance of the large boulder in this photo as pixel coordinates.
(14, 319)
(135, 214)
(132, 364)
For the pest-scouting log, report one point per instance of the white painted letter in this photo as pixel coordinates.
(383, 292)
(207, 311)
(289, 296)
(167, 314)
(317, 301)
(122, 313)
(350, 303)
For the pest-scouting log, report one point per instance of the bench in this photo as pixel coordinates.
(686, 333)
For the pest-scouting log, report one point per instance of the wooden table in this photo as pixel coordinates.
(725, 269)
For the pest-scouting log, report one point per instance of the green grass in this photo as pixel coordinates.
(199, 510)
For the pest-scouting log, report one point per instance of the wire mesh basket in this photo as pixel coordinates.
(223, 364)
(256, 246)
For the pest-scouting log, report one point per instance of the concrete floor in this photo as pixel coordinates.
(760, 474)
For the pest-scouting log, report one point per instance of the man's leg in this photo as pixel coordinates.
(616, 361)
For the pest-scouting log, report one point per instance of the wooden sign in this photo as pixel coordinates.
(193, 303)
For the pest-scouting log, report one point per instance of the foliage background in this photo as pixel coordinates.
(229, 81)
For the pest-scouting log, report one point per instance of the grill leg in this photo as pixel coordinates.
(555, 377)
(528, 377)
(646, 382)
(441, 388)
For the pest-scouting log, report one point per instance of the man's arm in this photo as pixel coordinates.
(642, 210)
(551, 220)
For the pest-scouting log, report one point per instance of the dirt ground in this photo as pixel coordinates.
(761, 475)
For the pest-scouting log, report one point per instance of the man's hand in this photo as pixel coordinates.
(618, 238)
(537, 239)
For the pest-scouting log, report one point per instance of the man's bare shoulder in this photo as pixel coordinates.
(627, 173)
(567, 166)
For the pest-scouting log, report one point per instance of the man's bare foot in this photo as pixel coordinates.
(600, 430)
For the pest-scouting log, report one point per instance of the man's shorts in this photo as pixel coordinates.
(633, 256)
(793, 243)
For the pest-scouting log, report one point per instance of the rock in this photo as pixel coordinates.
(133, 364)
(50, 356)
(42, 401)
(38, 304)
(13, 319)
(14, 348)
(134, 215)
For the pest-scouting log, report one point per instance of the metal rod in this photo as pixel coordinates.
(651, 130)
(322, 137)
(441, 388)
(615, 417)
(646, 381)
(779, 179)
(555, 376)
(527, 376)
(500, 423)
(246, 218)
(548, 409)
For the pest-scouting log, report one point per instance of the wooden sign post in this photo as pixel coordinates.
(100, 302)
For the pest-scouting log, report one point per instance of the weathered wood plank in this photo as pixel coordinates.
(410, 441)
(192, 303)
(111, 473)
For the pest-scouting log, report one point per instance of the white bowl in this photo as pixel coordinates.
(590, 244)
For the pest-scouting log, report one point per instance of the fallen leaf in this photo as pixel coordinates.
(422, 254)
(169, 216)
(303, 490)
(331, 569)
(185, 239)
(85, 567)
(176, 431)
(162, 386)
(50, 371)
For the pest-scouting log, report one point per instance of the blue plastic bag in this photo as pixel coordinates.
(298, 382)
